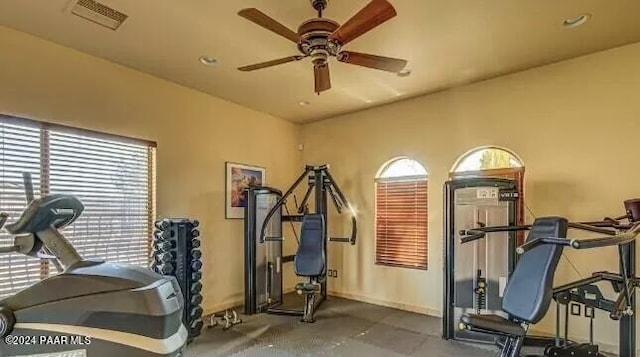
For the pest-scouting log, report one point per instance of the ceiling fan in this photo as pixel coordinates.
(321, 38)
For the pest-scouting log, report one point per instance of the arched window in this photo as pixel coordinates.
(486, 158)
(401, 214)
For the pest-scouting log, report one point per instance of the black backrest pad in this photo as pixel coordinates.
(311, 258)
(529, 291)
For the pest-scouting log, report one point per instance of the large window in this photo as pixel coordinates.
(112, 176)
(401, 214)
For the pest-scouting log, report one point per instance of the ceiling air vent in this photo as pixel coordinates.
(98, 13)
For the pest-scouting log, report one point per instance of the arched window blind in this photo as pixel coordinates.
(112, 176)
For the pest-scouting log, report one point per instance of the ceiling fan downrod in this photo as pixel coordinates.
(319, 5)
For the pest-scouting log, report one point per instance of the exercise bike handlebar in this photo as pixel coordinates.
(28, 187)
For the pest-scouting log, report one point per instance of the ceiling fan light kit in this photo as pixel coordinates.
(321, 38)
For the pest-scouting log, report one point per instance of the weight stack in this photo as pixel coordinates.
(175, 253)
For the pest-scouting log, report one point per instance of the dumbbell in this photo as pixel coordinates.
(195, 313)
(196, 276)
(195, 233)
(196, 265)
(163, 224)
(165, 268)
(166, 257)
(163, 235)
(196, 300)
(195, 243)
(195, 328)
(196, 287)
(195, 223)
(164, 245)
(196, 254)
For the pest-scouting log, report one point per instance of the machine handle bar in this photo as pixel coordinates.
(274, 239)
(281, 202)
(546, 240)
(341, 240)
(336, 189)
(617, 240)
(479, 233)
(338, 192)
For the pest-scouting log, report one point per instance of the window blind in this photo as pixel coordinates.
(19, 152)
(113, 177)
(401, 223)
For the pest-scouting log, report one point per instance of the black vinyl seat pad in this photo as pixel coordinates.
(493, 323)
(310, 260)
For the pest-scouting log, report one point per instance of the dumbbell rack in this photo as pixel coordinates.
(176, 253)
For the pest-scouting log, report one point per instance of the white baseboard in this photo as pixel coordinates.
(381, 302)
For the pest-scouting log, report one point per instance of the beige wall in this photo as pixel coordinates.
(196, 134)
(575, 125)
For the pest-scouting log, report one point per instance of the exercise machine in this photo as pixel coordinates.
(583, 297)
(529, 292)
(476, 271)
(264, 240)
(91, 308)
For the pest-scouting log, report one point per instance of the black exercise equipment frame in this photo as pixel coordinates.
(448, 324)
(623, 283)
(320, 182)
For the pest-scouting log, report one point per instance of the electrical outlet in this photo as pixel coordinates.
(335, 273)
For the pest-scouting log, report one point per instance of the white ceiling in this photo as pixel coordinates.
(447, 43)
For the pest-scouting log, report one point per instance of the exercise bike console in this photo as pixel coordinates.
(56, 211)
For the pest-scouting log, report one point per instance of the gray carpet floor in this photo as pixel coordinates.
(342, 328)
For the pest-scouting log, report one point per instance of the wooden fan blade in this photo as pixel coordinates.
(253, 67)
(322, 78)
(372, 15)
(372, 61)
(259, 18)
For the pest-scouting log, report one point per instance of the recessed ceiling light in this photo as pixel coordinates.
(576, 21)
(208, 61)
(304, 103)
(404, 73)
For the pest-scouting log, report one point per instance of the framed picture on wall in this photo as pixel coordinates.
(237, 179)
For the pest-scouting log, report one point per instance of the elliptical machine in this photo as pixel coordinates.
(92, 308)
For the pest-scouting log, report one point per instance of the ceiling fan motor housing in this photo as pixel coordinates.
(315, 39)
